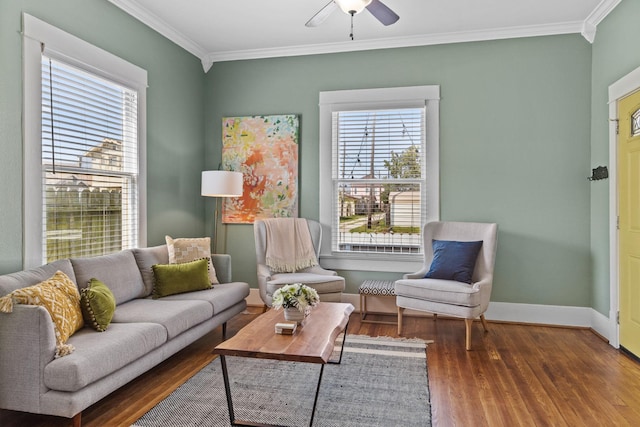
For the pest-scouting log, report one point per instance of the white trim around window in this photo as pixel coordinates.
(379, 98)
(39, 37)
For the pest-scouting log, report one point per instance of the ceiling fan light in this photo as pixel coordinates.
(355, 6)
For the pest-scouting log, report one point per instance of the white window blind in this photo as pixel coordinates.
(378, 176)
(89, 163)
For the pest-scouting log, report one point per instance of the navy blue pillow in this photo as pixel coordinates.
(453, 260)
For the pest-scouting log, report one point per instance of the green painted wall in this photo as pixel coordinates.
(515, 135)
(523, 121)
(175, 117)
(615, 54)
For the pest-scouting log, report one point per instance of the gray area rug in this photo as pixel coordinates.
(380, 382)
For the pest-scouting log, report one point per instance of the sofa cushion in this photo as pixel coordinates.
(22, 279)
(100, 354)
(438, 290)
(119, 271)
(60, 297)
(170, 279)
(221, 296)
(98, 305)
(146, 258)
(175, 316)
(190, 249)
(324, 284)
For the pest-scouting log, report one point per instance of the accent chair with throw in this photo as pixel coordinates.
(457, 274)
(287, 252)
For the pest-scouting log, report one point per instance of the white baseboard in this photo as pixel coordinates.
(254, 298)
(539, 314)
(604, 326)
(552, 315)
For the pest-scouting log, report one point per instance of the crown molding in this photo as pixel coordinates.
(151, 20)
(389, 43)
(589, 31)
(595, 17)
(587, 28)
(601, 11)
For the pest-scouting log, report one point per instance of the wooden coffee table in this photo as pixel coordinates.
(313, 342)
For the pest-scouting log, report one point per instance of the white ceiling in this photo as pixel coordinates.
(217, 30)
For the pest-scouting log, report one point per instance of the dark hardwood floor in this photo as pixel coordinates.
(515, 375)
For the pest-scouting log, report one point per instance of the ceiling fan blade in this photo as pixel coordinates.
(382, 12)
(323, 14)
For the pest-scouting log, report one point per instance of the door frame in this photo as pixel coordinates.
(618, 90)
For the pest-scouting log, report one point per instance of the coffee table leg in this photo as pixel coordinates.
(227, 389)
(344, 338)
(315, 400)
(232, 416)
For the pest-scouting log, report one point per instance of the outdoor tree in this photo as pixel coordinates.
(401, 166)
(405, 164)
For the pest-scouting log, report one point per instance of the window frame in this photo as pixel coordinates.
(366, 99)
(38, 38)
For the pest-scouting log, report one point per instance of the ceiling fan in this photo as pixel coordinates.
(352, 7)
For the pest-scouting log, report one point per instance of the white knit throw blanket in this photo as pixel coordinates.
(289, 245)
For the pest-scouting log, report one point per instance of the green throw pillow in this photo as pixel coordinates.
(98, 305)
(170, 279)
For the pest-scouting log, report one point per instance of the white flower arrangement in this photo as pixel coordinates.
(295, 295)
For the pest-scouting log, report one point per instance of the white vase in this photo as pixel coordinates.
(292, 314)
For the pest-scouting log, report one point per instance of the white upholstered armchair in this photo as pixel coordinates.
(458, 270)
(326, 282)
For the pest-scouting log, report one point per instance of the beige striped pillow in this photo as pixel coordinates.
(191, 249)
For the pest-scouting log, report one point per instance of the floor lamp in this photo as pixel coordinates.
(220, 184)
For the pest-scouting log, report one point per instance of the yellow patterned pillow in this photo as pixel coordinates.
(60, 297)
(191, 249)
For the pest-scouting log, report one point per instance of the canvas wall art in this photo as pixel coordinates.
(265, 150)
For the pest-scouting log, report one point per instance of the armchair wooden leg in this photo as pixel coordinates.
(484, 323)
(435, 316)
(400, 310)
(468, 323)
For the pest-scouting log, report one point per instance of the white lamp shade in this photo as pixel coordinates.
(221, 184)
(356, 6)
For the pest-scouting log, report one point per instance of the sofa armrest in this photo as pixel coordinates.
(28, 344)
(222, 264)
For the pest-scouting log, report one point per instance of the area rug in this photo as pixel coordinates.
(380, 382)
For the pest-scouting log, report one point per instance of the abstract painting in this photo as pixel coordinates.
(265, 150)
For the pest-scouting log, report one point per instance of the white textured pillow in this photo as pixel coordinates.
(190, 249)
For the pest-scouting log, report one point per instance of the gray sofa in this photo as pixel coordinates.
(143, 332)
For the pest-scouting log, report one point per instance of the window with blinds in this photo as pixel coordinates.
(89, 163)
(378, 180)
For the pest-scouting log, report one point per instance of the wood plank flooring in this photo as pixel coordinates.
(515, 375)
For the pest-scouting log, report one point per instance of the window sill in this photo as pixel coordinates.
(372, 262)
